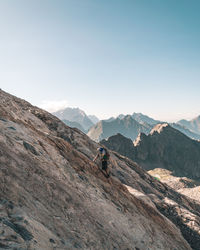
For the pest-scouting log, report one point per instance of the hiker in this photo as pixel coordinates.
(104, 156)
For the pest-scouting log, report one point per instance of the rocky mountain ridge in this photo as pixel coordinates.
(130, 126)
(126, 126)
(74, 117)
(141, 118)
(54, 197)
(164, 147)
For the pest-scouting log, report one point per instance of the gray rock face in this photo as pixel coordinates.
(126, 126)
(53, 195)
(75, 115)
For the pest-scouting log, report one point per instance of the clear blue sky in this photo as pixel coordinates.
(104, 56)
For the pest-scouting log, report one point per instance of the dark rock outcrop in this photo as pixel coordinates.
(120, 144)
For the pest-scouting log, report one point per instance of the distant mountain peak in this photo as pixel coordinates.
(128, 118)
(121, 116)
(75, 115)
(193, 125)
(141, 118)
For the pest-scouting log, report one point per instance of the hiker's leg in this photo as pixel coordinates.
(105, 168)
(104, 165)
(108, 171)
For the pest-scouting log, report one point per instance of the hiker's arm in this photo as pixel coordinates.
(95, 158)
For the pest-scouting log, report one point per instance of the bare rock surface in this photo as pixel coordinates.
(184, 185)
(52, 195)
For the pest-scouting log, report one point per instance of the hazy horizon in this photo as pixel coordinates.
(53, 107)
(106, 57)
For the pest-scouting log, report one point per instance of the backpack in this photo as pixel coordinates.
(104, 154)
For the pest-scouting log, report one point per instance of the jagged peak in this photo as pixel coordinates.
(139, 138)
(159, 128)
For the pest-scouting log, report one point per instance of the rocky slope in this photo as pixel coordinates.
(54, 197)
(183, 185)
(127, 126)
(75, 115)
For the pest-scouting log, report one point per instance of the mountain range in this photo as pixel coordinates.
(127, 126)
(130, 126)
(53, 196)
(164, 147)
(98, 130)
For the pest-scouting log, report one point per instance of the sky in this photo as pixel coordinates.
(106, 57)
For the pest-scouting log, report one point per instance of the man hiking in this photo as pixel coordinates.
(104, 156)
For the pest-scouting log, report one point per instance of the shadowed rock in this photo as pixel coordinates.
(30, 148)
